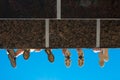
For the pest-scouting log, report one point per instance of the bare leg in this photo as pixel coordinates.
(26, 54)
(12, 57)
(106, 56)
(50, 55)
(101, 56)
(81, 57)
(67, 56)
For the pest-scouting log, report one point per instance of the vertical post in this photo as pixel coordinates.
(98, 33)
(58, 9)
(47, 33)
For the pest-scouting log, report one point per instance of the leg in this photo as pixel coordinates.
(67, 56)
(101, 56)
(106, 56)
(50, 55)
(26, 54)
(12, 57)
(81, 57)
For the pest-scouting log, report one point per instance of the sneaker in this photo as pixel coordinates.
(26, 54)
(50, 55)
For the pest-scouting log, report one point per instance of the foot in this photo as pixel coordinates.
(26, 54)
(80, 62)
(67, 62)
(50, 55)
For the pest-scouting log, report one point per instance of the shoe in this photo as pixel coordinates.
(50, 55)
(26, 54)
(12, 60)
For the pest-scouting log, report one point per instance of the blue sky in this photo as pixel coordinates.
(39, 68)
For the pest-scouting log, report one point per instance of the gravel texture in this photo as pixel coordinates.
(72, 33)
(110, 33)
(22, 34)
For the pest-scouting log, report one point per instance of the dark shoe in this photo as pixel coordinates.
(50, 55)
(12, 60)
(26, 54)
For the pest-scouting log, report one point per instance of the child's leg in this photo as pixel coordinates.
(12, 57)
(79, 51)
(11, 52)
(66, 52)
(67, 56)
(50, 55)
(101, 56)
(81, 57)
(106, 56)
(26, 54)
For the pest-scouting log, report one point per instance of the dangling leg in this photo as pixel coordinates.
(81, 57)
(101, 56)
(50, 55)
(106, 56)
(26, 54)
(67, 56)
(12, 57)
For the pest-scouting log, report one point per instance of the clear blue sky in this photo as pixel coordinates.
(39, 68)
